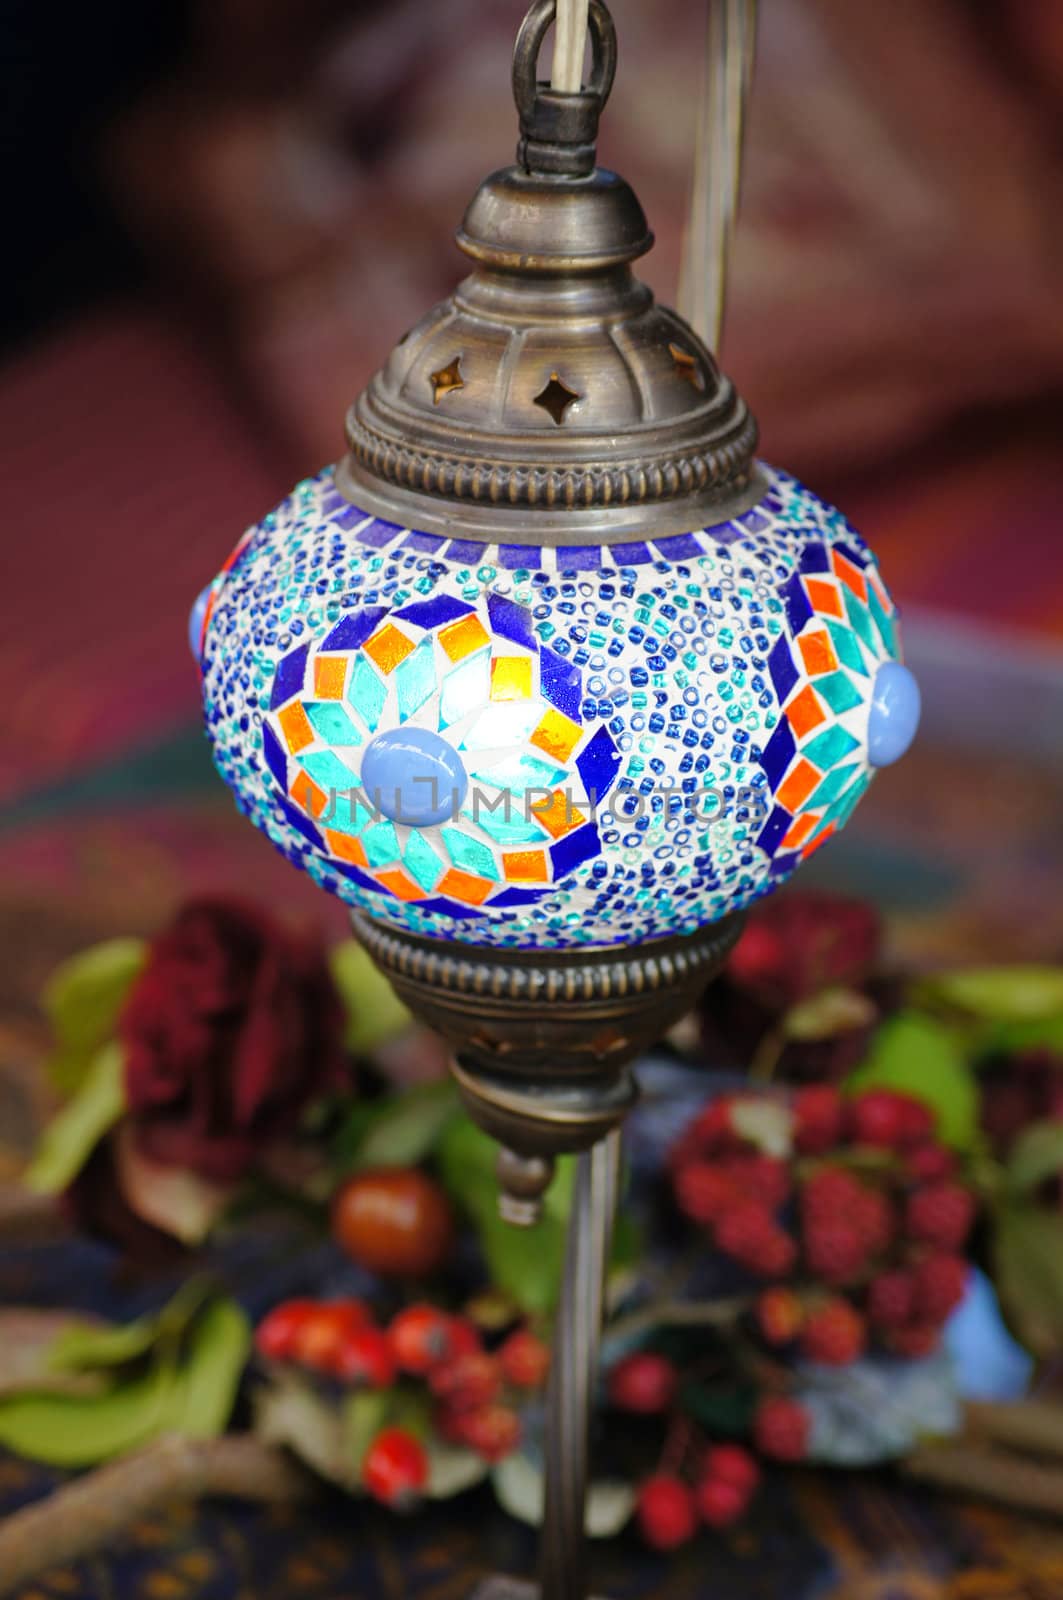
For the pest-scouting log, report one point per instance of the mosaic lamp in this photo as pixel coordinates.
(550, 678)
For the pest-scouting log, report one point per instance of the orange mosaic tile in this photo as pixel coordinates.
(795, 789)
(346, 848)
(805, 711)
(558, 815)
(799, 830)
(511, 677)
(388, 646)
(821, 838)
(850, 575)
(459, 639)
(824, 597)
(525, 866)
(400, 884)
(817, 652)
(295, 726)
(305, 792)
(464, 886)
(557, 734)
(329, 675)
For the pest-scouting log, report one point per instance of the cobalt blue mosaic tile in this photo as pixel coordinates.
(288, 679)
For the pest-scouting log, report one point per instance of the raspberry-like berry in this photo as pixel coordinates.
(395, 1469)
(525, 1360)
(643, 1382)
(365, 1357)
(463, 1337)
(891, 1298)
(762, 1178)
(781, 1428)
(829, 1193)
(834, 1334)
(667, 1514)
(734, 1465)
(780, 1315)
(703, 1192)
(710, 1133)
(873, 1215)
(941, 1214)
(324, 1331)
(720, 1503)
(276, 1333)
(752, 1237)
(940, 1286)
(834, 1249)
(468, 1383)
(421, 1337)
(915, 1341)
(819, 1119)
(493, 1431)
(927, 1163)
(881, 1118)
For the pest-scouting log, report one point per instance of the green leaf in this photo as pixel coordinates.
(290, 1412)
(375, 1013)
(82, 999)
(84, 1345)
(1028, 1260)
(1037, 1154)
(917, 1055)
(999, 994)
(79, 1430)
(27, 1338)
(402, 1130)
(362, 1416)
(525, 1262)
(452, 1469)
(994, 1038)
(74, 1133)
(212, 1364)
(518, 1482)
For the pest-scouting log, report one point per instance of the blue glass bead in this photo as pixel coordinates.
(195, 619)
(894, 716)
(414, 776)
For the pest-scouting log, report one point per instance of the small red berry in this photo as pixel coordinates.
(762, 1178)
(872, 1214)
(834, 1248)
(463, 1337)
(492, 1431)
(781, 1428)
(323, 1332)
(643, 1382)
(878, 1117)
(395, 1469)
(703, 1192)
(667, 1514)
(420, 1338)
(732, 1464)
(940, 1286)
(916, 1340)
(928, 1162)
(467, 1383)
(525, 1359)
(891, 1298)
(720, 1503)
(276, 1333)
(829, 1193)
(750, 1234)
(780, 1315)
(834, 1334)
(941, 1214)
(819, 1119)
(365, 1357)
(396, 1221)
(919, 1121)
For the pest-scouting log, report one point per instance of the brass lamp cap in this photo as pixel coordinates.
(550, 394)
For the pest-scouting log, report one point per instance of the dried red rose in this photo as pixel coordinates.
(231, 1029)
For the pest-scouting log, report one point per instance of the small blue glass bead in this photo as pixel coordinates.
(413, 776)
(894, 717)
(195, 620)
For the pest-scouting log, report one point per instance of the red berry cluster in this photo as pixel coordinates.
(861, 1227)
(670, 1508)
(473, 1390)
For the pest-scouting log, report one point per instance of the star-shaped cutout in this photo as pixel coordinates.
(556, 398)
(687, 367)
(446, 380)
